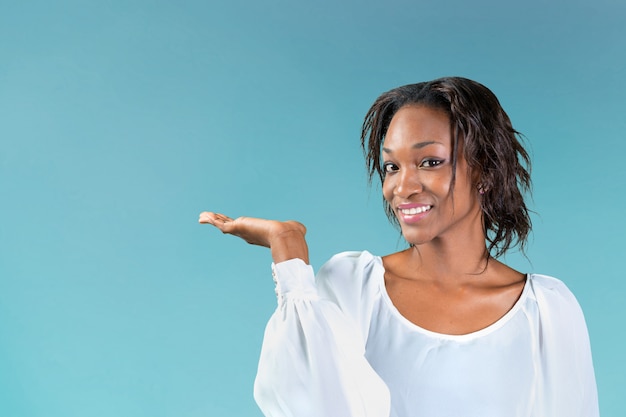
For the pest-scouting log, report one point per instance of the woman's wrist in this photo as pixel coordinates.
(288, 242)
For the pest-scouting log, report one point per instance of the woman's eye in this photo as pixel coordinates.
(389, 167)
(431, 163)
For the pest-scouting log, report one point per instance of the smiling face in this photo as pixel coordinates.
(417, 158)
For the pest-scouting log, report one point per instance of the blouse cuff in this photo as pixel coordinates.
(294, 279)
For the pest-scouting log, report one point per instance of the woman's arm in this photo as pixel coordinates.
(568, 385)
(312, 361)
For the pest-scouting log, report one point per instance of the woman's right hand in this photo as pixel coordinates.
(285, 239)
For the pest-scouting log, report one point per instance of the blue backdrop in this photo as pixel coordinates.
(121, 120)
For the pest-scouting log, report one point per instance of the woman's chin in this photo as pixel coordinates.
(415, 239)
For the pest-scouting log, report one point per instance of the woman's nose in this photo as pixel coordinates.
(408, 183)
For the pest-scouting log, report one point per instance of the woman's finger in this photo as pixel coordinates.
(213, 218)
(206, 217)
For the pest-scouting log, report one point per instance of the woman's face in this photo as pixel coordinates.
(417, 158)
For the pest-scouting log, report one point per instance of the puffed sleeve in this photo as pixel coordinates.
(567, 384)
(312, 361)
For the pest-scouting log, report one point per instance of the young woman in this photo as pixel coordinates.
(441, 328)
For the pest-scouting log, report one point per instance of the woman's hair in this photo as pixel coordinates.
(491, 147)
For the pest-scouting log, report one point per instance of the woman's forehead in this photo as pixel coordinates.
(418, 126)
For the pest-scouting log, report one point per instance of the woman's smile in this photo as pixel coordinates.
(412, 213)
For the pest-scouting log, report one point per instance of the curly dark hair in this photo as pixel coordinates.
(491, 147)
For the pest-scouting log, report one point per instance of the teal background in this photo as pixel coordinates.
(121, 120)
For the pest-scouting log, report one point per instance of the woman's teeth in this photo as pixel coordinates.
(415, 210)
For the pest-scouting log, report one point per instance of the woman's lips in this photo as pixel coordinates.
(411, 213)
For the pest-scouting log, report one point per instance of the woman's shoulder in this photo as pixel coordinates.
(350, 260)
(551, 293)
(547, 283)
(351, 272)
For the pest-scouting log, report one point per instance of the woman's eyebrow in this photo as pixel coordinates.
(418, 145)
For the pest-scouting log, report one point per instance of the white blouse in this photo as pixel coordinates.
(337, 347)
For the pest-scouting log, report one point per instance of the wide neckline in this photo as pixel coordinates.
(459, 337)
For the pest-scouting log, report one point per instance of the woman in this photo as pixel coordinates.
(441, 328)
